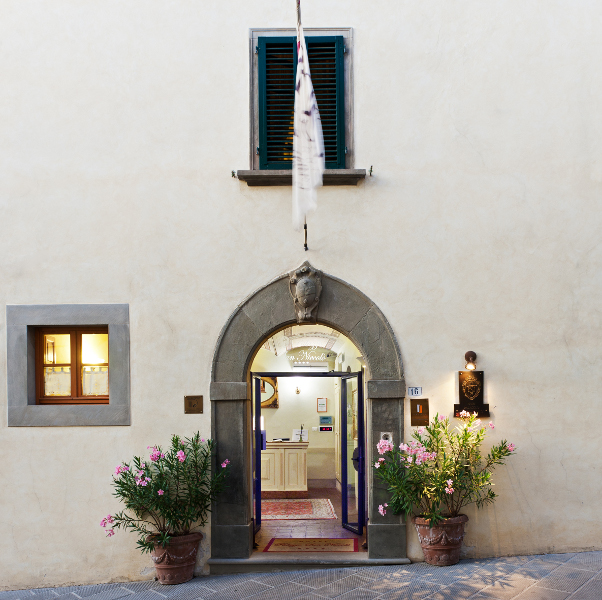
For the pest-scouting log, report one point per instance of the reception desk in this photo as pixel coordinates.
(284, 466)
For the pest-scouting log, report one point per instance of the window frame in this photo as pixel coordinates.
(76, 365)
(22, 320)
(254, 105)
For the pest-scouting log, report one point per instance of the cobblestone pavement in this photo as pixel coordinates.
(546, 577)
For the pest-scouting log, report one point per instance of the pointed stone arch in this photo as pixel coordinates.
(270, 309)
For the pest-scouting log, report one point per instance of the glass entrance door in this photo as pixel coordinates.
(352, 452)
(257, 446)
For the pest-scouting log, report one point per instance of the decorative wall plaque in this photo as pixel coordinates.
(471, 386)
(305, 285)
(193, 405)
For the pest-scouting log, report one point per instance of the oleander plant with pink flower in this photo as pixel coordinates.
(441, 470)
(167, 494)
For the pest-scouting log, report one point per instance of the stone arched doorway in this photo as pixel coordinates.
(266, 311)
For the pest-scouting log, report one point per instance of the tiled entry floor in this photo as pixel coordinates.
(547, 577)
(301, 528)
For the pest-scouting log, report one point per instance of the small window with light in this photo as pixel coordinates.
(72, 365)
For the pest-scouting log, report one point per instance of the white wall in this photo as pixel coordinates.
(120, 123)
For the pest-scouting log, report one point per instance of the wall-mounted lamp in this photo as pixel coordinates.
(471, 360)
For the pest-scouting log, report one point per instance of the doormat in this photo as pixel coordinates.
(312, 545)
(312, 508)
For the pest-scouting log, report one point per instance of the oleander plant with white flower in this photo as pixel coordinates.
(167, 494)
(441, 470)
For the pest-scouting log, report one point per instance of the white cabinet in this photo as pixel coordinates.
(284, 466)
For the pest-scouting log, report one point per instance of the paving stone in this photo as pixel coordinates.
(14, 595)
(239, 590)
(138, 586)
(145, 595)
(341, 586)
(196, 592)
(358, 595)
(310, 596)
(222, 582)
(84, 591)
(275, 579)
(43, 593)
(591, 561)
(556, 557)
(392, 582)
(565, 579)
(286, 591)
(537, 593)
(384, 571)
(318, 579)
(592, 590)
(413, 590)
(457, 591)
(536, 569)
(507, 587)
(112, 594)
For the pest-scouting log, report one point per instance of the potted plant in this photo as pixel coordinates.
(167, 496)
(435, 476)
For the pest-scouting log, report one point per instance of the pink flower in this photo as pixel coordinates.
(511, 447)
(379, 462)
(420, 431)
(160, 492)
(449, 490)
(110, 532)
(181, 456)
(409, 459)
(143, 465)
(441, 418)
(491, 425)
(384, 446)
(381, 509)
(182, 442)
(449, 482)
(109, 519)
(464, 414)
(103, 523)
(225, 463)
(202, 440)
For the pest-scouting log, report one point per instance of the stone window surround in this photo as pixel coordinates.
(21, 321)
(257, 177)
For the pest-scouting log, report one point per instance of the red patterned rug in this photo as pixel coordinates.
(312, 545)
(314, 508)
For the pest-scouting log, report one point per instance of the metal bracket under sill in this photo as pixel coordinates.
(285, 177)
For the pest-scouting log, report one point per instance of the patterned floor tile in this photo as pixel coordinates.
(536, 569)
(414, 590)
(393, 581)
(461, 590)
(222, 582)
(591, 561)
(507, 587)
(557, 557)
(565, 579)
(112, 594)
(318, 579)
(287, 591)
(341, 586)
(275, 579)
(535, 593)
(592, 590)
(240, 590)
(358, 595)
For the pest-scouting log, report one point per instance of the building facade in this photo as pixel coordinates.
(139, 201)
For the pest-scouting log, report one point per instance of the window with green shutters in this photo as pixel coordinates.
(276, 78)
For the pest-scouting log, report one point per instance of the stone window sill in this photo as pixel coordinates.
(285, 177)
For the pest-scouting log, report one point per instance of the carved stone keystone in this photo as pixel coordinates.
(305, 285)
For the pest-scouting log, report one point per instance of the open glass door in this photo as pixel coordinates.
(352, 452)
(257, 445)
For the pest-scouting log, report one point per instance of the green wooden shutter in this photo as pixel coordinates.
(276, 74)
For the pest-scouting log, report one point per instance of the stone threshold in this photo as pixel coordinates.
(266, 562)
(285, 177)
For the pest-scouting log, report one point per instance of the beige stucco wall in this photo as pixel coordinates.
(120, 123)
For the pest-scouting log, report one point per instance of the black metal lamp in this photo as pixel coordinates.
(471, 360)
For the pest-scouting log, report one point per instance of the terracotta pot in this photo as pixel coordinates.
(442, 543)
(175, 563)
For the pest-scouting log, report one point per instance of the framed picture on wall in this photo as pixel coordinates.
(322, 404)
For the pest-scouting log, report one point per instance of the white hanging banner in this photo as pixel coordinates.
(308, 141)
